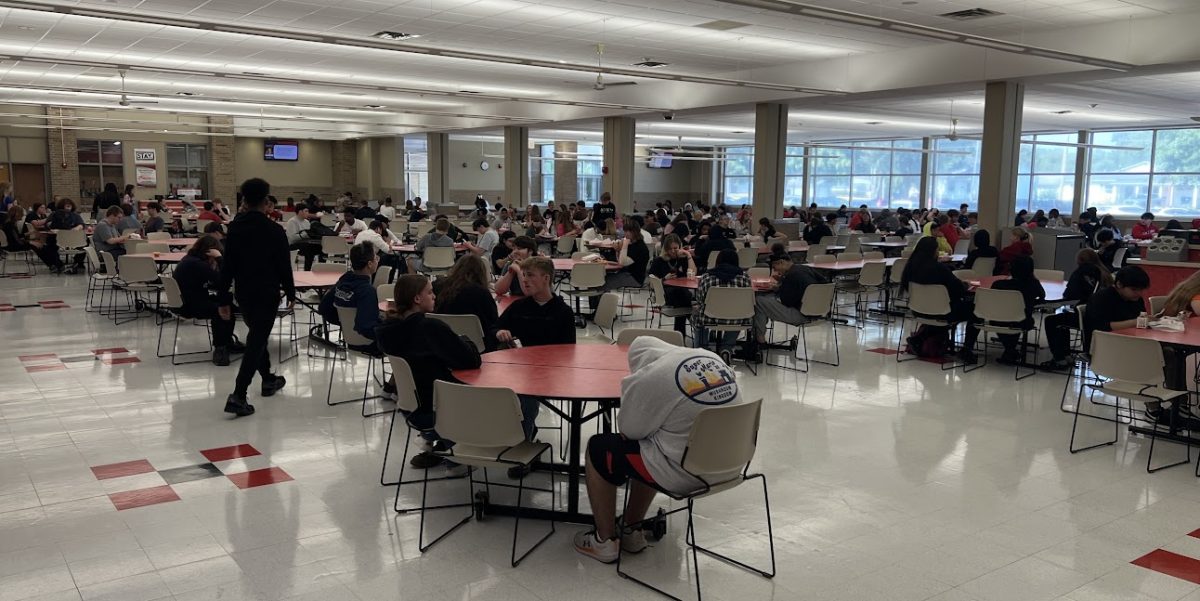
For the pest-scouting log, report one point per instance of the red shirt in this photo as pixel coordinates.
(1144, 232)
(209, 215)
(950, 231)
(1012, 251)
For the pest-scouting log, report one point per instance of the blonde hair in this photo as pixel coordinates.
(1180, 298)
(1022, 233)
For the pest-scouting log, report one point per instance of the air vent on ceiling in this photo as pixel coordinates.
(970, 13)
(649, 64)
(722, 25)
(396, 36)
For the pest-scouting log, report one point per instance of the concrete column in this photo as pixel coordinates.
(770, 152)
(345, 167)
(1003, 102)
(619, 133)
(63, 150)
(516, 166)
(1083, 156)
(439, 169)
(926, 166)
(221, 161)
(566, 173)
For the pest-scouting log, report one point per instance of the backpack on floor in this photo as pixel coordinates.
(929, 342)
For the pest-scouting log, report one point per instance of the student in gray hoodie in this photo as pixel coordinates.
(667, 388)
(438, 237)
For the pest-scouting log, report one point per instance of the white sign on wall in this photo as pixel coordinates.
(147, 177)
(144, 156)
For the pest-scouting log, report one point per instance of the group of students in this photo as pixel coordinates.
(34, 231)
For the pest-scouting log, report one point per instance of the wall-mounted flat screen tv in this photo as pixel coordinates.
(659, 160)
(281, 150)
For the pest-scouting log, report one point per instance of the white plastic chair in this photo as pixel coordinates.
(628, 335)
(928, 304)
(816, 305)
(438, 259)
(406, 404)
(1048, 275)
(658, 295)
(747, 257)
(335, 247)
(463, 325)
(351, 339)
(728, 303)
(998, 309)
(174, 304)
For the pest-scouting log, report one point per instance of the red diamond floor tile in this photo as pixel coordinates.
(227, 453)
(7, 308)
(117, 470)
(1171, 564)
(270, 475)
(1194, 534)
(39, 368)
(143, 497)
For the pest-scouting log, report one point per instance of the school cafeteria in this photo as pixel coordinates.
(545, 300)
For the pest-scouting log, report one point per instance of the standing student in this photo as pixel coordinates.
(258, 262)
(198, 276)
(604, 210)
(674, 262)
(128, 197)
(1090, 275)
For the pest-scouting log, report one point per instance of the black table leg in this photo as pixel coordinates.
(573, 461)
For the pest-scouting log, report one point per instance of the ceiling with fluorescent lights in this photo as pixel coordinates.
(289, 83)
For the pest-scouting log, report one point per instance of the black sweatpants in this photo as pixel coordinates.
(259, 315)
(1058, 333)
(222, 330)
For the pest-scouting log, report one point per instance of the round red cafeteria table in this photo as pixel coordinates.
(502, 303)
(759, 284)
(568, 264)
(315, 279)
(1054, 289)
(578, 374)
(160, 257)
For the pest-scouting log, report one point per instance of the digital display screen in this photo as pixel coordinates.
(281, 150)
(659, 160)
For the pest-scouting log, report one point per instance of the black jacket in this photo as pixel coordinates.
(431, 349)
(1031, 291)
(813, 235)
(537, 325)
(982, 252)
(353, 290)
(794, 283)
(197, 280)
(1081, 283)
(257, 260)
(710, 246)
(471, 300)
(639, 254)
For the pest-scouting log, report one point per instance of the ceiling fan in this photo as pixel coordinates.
(600, 86)
(953, 137)
(125, 101)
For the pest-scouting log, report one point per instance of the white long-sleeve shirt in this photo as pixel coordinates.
(667, 388)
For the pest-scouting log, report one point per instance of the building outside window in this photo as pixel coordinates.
(1046, 174)
(100, 162)
(187, 167)
(1159, 173)
(416, 167)
(872, 173)
(954, 178)
(738, 180)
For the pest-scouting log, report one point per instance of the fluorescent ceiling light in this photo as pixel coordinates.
(802, 9)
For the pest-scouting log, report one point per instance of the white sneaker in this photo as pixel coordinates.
(388, 396)
(632, 540)
(587, 544)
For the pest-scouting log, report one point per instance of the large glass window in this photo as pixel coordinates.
(738, 180)
(187, 167)
(416, 167)
(1158, 172)
(100, 163)
(591, 161)
(874, 173)
(793, 177)
(954, 178)
(546, 169)
(1046, 174)
(1175, 180)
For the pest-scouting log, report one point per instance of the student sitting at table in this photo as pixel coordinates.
(791, 280)
(431, 349)
(510, 273)
(950, 228)
(502, 222)
(106, 237)
(657, 411)
(19, 241)
(1184, 297)
(464, 291)
(154, 221)
(197, 275)
(982, 241)
(680, 227)
(715, 243)
(767, 230)
(354, 289)
(485, 242)
(862, 214)
(924, 268)
(297, 229)
(674, 262)
(816, 230)
(438, 236)
(1022, 280)
(381, 238)
(725, 274)
(1018, 246)
(129, 222)
(1145, 229)
(1106, 247)
(633, 256)
(501, 251)
(208, 214)
(939, 236)
(350, 224)
(887, 221)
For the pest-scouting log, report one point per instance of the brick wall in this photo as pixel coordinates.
(63, 147)
(566, 174)
(345, 168)
(221, 162)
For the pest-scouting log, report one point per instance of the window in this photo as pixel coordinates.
(954, 178)
(1175, 180)
(187, 167)
(100, 163)
(793, 177)
(1158, 171)
(416, 167)
(1046, 174)
(738, 180)
(546, 151)
(872, 173)
(591, 159)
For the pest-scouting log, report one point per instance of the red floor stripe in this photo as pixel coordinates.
(110, 351)
(270, 475)
(883, 351)
(126, 468)
(1171, 564)
(52, 367)
(143, 497)
(37, 357)
(120, 360)
(227, 453)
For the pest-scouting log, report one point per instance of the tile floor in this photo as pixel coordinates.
(120, 478)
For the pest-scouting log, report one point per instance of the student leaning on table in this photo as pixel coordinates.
(510, 282)
(667, 389)
(791, 281)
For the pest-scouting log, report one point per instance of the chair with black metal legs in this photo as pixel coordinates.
(172, 308)
(1129, 368)
(353, 342)
(928, 305)
(485, 425)
(816, 305)
(406, 407)
(720, 447)
(998, 310)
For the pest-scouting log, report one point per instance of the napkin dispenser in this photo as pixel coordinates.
(1167, 249)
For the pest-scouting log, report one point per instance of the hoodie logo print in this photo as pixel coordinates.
(706, 380)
